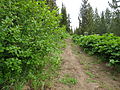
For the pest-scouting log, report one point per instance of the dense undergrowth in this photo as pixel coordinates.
(106, 46)
(30, 39)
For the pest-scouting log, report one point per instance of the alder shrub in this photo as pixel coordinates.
(107, 46)
(29, 41)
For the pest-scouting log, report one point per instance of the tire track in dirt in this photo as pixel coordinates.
(71, 66)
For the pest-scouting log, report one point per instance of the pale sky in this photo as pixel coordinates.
(73, 7)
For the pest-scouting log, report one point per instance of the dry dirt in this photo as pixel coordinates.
(89, 72)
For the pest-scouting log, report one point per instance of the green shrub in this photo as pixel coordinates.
(29, 40)
(106, 45)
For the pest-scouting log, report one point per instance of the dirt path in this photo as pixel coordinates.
(87, 74)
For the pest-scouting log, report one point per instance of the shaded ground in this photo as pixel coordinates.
(88, 71)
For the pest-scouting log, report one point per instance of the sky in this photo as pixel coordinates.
(73, 8)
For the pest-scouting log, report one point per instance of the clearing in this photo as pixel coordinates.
(80, 71)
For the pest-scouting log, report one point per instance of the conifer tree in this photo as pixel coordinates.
(96, 22)
(115, 26)
(68, 24)
(86, 18)
(102, 24)
(51, 4)
(90, 17)
(65, 20)
(78, 30)
(64, 15)
(108, 17)
(83, 16)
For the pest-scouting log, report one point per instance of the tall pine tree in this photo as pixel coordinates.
(65, 20)
(102, 24)
(86, 18)
(108, 17)
(90, 17)
(83, 16)
(115, 26)
(96, 22)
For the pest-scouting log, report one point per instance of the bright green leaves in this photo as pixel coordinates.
(29, 39)
(107, 46)
(113, 62)
(1, 48)
(13, 64)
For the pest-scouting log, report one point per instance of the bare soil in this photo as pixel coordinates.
(90, 72)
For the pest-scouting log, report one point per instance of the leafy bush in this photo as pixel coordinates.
(106, 45)
(29, 40)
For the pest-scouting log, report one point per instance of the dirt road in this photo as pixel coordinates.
(88, 73)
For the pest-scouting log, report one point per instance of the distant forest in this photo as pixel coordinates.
(90, 22)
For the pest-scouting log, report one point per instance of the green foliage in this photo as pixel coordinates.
(93, 23)
(90, 74)
(65, 19)
(85, 19)
(107, 46)
(68, 80)
(29, 41)
(115, 24)
(51, 4)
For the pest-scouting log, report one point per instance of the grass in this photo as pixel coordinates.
(91, 80)
(90, 74)
(67, 80)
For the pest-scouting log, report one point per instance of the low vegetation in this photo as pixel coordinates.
(30, 38)
(67, 80)
(106, 46)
